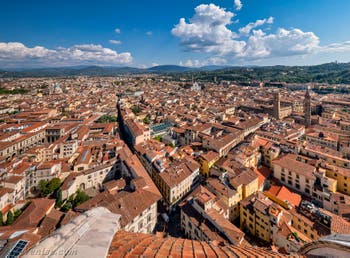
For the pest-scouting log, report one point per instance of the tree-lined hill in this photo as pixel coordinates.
(333, 73)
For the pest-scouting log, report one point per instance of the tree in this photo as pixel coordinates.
(80, 197)
(146, 120)
(67, 206)
(10, 218)
(158, 138)
(106, 119)
(136, 110)
(54, 184)
(59, 198)
(47, 188)
(42, 187)
(1, 219)
(17, 213)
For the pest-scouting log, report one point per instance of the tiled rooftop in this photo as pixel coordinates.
(127, 244)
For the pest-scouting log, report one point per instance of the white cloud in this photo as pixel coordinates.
(217, 61)
(115, 42)
(283, 43)
(247, 29)
(238, 5)
(16, 54)
(117, 30)
(207, 31)
(336, 47)
(154, 64)
(17, 51)
(191, 63)
(149, 33)
(200, 63)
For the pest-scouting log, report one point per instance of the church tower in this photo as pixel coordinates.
(307, 108)
(277, 105)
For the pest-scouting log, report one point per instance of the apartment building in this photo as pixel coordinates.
(255, 215)
(88, 179)
(204, 217)
(294, 173)
(175, 179)
(138, 209)
(17, 184)
(341, 175)
(207, 160)
(137, 133)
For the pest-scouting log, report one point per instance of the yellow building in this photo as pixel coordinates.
(342, 177)
(304, 225)
(247, 182)
(207, 161)
(229, 196)
(255, 215)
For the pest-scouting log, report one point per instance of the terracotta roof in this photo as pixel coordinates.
(50, 222)
(128, 205)
(282, 193)
(263, 173)
(146, 245)
(34, 213)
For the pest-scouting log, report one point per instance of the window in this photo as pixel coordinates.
(17, 249)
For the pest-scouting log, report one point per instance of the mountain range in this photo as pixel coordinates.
(333, 73)
(99, 71)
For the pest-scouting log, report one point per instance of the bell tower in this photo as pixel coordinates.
(307, 108)
(277, 105)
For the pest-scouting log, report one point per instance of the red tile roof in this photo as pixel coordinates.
(127, 244)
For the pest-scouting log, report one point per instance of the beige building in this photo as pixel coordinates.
(294, 173)
(205, 218)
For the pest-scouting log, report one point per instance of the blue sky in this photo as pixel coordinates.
(60, 33)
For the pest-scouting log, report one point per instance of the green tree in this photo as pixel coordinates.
(47, 188)
(53, 185)
(146, 120)
(136, 109)
(1, 219)
(158, 138)
(17, 213)
(42, 187)
(80, 197)
(106, 119)
(59, 198)
(10, 218)
(67, 206)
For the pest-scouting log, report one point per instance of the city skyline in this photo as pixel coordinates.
(188, 33)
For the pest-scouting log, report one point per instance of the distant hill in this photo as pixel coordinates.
(169, 69)
(332, 73)
(325, 73)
